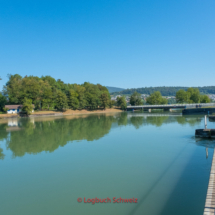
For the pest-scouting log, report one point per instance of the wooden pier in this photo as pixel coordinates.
(210, 198)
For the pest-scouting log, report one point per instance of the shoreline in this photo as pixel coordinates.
(66, 113)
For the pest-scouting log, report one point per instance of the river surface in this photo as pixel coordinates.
(46, 164)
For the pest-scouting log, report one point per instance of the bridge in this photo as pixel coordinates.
(145, 115)
(169, 107)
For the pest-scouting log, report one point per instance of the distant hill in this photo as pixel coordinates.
(165, 91)
(114, 89)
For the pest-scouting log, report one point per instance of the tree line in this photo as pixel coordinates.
(192, 95)
(48, 93)
(165, 91)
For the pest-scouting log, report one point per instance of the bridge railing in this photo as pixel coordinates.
(174, 105)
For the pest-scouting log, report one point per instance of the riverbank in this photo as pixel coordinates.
(66, 113)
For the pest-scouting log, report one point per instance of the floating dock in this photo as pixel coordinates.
(205, 133)
(196, 111)
(210, 198)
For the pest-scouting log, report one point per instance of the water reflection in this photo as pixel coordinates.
(205, 142)
(33, 136)
(1, 154)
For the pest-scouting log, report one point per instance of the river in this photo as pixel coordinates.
(152, 160)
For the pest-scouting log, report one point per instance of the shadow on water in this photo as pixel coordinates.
(145, 196)
(188, 196)
(33, 136)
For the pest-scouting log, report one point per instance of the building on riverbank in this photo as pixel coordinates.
(15, 108)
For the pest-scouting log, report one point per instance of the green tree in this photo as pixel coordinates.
(73, 99)
(121, 102)
(61, 101)
(81, 96)
(13, 89)
(182, 97)
(27, 106)
(205, 99)
(104, 100)
(135, 99)
(92, 101)
(45, 93)
(194, 95)
(156, 99)
(111, 103)
(3, 101)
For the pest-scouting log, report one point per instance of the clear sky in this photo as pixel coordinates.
(121, 43)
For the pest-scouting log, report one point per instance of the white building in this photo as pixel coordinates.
(14, 108)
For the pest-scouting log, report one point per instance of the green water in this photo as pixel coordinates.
(47, 163)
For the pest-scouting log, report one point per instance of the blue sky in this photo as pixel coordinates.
(121, 43)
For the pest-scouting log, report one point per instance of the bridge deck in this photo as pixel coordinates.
(170, 106)
(210, 198)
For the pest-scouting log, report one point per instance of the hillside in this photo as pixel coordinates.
(114, 89)
(165, 91)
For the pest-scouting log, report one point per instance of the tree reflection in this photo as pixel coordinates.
(48, 134)
(157, 121)
(137, 121)
(1, 154)
(191, 120)
(123, 119)
(3, 132)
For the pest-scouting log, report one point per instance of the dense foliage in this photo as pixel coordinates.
(192, 95)
(165, 91)
(156, 99)
(47, 93)
(136, 99)
(121, 102)
(27, 106)
(3, 101)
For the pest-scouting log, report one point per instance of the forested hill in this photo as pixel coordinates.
(165, 91)
(114, 89)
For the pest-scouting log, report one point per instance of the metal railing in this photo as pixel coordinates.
(174, 105)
